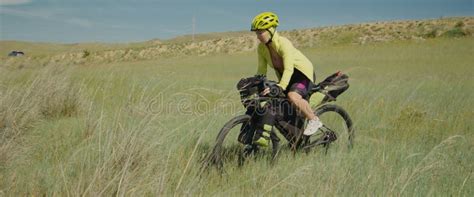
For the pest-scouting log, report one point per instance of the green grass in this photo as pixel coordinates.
(142, 128)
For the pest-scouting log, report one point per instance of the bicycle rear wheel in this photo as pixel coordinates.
(337, 130)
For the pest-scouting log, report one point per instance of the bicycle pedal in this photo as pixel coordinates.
(330, 137)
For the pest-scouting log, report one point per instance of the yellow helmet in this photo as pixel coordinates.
(264, 20)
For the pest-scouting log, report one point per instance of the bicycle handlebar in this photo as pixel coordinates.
(260, 82)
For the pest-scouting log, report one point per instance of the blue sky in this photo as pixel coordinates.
(70, 21)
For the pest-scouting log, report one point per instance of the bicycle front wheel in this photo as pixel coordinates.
(227, 147)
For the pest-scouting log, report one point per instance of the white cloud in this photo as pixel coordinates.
(14, 2)
(58, 16)
(47, 15)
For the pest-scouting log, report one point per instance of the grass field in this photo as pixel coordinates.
(142, 128)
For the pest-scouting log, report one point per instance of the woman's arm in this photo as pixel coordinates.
(286, 52)
(262, 62)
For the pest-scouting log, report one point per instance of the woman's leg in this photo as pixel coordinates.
(298, 90)
(301, 104)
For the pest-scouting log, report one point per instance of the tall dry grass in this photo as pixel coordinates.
(143, 128)
(42, 95)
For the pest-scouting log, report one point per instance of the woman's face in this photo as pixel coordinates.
(263, 35)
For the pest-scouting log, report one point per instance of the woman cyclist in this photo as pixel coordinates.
(293, 69)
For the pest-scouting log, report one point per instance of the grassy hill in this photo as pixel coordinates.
(234, 42)
(47, 49)
(142, 127)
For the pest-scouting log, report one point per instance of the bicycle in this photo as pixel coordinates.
(337, 122)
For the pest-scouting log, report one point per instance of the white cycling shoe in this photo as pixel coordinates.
(312, 127)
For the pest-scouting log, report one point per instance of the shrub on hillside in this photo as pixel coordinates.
(459, 24)
(85, 53)
(430, 34)
(455, 32)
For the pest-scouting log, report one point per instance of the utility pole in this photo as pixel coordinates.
(194, 26)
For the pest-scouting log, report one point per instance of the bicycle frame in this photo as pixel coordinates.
(292, 130)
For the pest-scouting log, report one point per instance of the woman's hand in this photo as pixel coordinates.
(265, 91)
